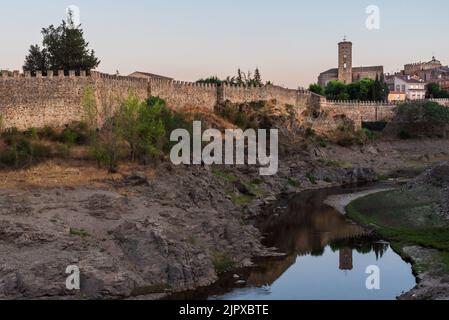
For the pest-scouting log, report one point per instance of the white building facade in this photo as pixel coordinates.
(414, 89)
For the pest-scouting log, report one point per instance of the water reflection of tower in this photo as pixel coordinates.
(346, 261)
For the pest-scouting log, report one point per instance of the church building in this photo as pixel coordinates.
(346, 72)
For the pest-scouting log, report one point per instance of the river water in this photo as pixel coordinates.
(327, 257)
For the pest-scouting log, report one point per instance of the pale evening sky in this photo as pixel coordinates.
(291, 41)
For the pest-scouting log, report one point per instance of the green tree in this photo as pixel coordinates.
(239, 77)
(316, 88)
(435, 91)
(336, 90)
(106, 144)
(257, 77)
(210, 80)
(128, 122)
(366, 92)
(353, 90)
(384, 88)
(145, 127)
(66, 48)
(377, 90)
(37, 59)
(90, 108)
(152, 132)
(423, 119)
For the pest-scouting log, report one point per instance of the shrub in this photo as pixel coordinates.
(422, 119)
(62, 151)
(68, 136)
(294, 183)
(20, 151)
(312, 178)
(310, 132)
(322, 143)
(2, 124)
(48, 133)
(40, 151)
(79, 233)
(369, 134)
(32, 133)
(77, 134)
(8, 158)
(222, 262)
(10, 135)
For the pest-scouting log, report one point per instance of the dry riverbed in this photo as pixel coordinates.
(148, 232)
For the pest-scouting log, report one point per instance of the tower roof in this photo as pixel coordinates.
(345, 41)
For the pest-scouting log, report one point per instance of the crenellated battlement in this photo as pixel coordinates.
(176, 83)
(61, 74)
(55, 97)
(361, 103)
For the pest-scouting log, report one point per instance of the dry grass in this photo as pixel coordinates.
(56, 173)
(209, 117)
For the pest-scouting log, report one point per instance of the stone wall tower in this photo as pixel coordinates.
(345, 61)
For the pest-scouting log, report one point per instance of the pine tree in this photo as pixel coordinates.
(257, 77)
(239, 77)
(36, 60)
(377, 90)
(66, 47)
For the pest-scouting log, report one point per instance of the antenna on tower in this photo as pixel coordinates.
(345, 38)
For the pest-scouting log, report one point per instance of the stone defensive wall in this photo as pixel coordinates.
(56, 100)
(359, 111)
(180, 95)
(300, 98)
(367, 111)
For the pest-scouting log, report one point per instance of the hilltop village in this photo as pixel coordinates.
(406, 85)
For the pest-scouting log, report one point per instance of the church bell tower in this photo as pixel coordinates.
(345, 61)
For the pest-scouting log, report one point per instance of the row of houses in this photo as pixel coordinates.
(406, 87)
(411, 82)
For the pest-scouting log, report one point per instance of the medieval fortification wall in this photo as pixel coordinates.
(56, 99)
(39, 101)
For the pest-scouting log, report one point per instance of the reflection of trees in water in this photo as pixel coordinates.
(363, 245)
(307, 226)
